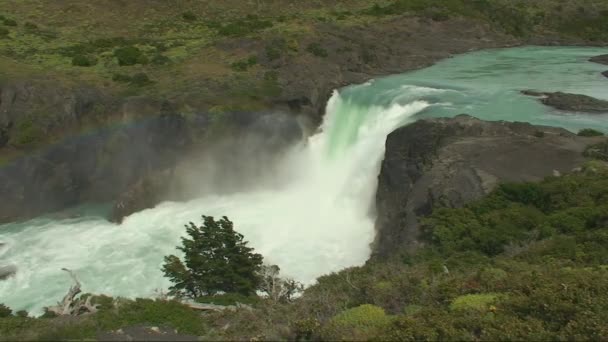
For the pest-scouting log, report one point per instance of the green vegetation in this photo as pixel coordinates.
(84, 61)
(216, 259)
(243, 65)
(598, 151)
(130, 55)
(527, 262)
(317, 50)
(588, 132)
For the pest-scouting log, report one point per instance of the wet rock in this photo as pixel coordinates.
(451, 162)
(570, 102)
(7, 271)
(605, 73)
(601, 59)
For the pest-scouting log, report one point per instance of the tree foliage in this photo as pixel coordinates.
(216, 259)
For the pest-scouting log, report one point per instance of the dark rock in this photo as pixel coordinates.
(450, 162)
(7, 271)
(570, 102)
(243, 157)
(601, 59)
(605, 73)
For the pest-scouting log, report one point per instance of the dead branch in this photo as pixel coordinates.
(70, 305)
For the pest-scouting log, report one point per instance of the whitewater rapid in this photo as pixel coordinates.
(320, 222)
(321, 218)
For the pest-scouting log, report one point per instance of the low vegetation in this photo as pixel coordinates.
(526, 262)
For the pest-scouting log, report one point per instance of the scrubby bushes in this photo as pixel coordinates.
(83, 61)
(130, 55)
(589, 132)
(317, 50)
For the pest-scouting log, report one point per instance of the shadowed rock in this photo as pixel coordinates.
(7, 271)
(450, 162)
(601, 59)
(570, 102)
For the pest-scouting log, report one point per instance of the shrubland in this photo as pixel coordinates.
(528, 261)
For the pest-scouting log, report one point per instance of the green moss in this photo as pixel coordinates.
(479, 302)
(27, 132)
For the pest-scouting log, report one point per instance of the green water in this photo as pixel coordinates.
(487, 85)
(318, 223)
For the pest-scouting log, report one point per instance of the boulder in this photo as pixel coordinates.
(450, 162)
(7, 271)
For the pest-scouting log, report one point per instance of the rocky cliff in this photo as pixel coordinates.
(450, 162)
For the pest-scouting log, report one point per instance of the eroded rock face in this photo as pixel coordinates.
(570, 102)
(244, 157)
(450, 162)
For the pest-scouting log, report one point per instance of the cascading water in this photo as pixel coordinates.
(319, 221)
(316, 224)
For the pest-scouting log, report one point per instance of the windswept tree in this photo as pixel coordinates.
(278, 289)
(216, 259)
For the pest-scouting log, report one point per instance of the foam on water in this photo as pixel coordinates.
(321, 220)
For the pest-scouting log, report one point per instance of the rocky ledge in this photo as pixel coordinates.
(450, 162)
(570, 102)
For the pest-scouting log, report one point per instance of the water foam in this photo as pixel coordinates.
(317, 224)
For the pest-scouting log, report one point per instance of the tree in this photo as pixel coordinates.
(278, 289)
(216, 259)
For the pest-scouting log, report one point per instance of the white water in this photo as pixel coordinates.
(319, 223)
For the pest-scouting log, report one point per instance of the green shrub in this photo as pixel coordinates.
(121, 78)
(130, 55)
(245, 64)
(140, 79)
(480, 302)
(317, 50)
(10, 22)
(361, 323)
(83, 61)
(160, 59)
(588, 132)
(30, 26)
(242, 27)
(151, 312)
(597, 151)
(228, 299)
(4, 32)
(189, 16)
(5, 311)
(539, 134)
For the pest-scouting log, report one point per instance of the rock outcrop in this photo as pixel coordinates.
(450, 162)
(570, 102)
(601, 59)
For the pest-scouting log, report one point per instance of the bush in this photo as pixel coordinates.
(242, 27)
(228, 299)
(597, 151)
(245, 64)
(160, 59)
(3, 32)
(30, 26)
(10, 22)
(216, 260)
(588, 132)
(130, 55)
(140, 79)
(361, 323)
(479, 302)
(189, 16)
(317, 50)
(5, 311)
(83, 61)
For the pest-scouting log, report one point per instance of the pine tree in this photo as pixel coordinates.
(216, 259)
